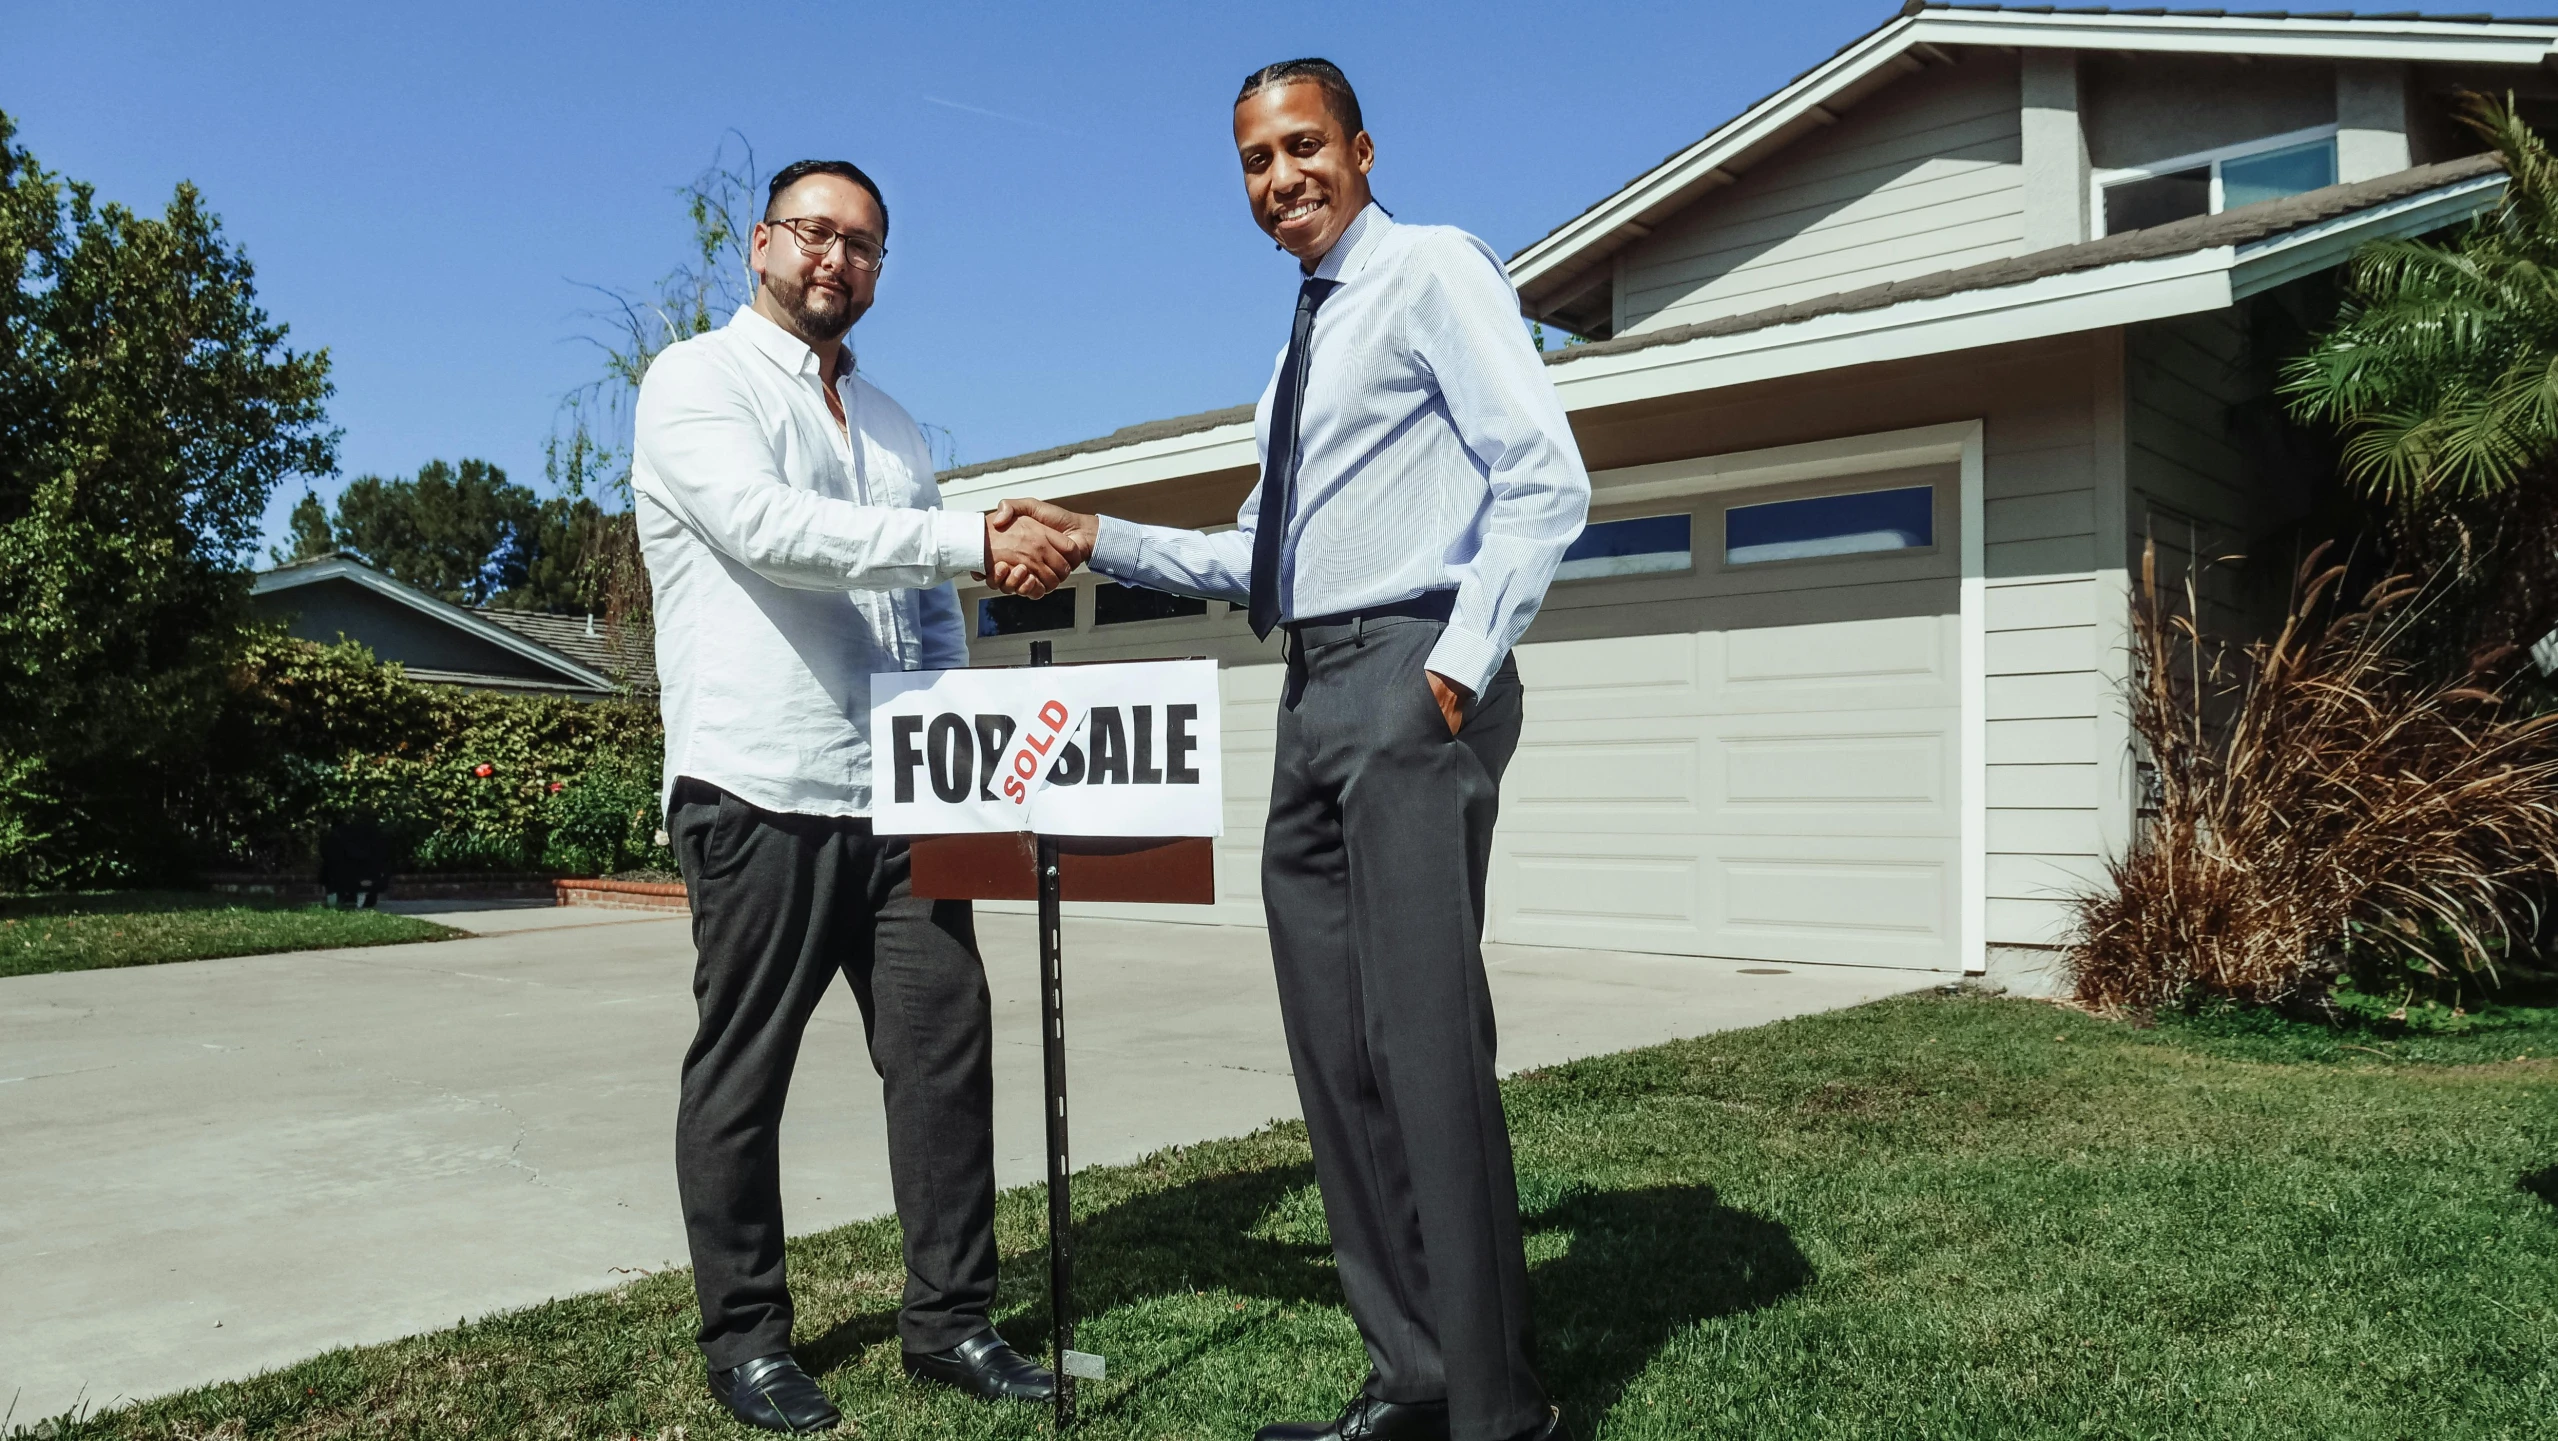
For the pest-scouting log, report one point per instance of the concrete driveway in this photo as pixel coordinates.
(223, 1166)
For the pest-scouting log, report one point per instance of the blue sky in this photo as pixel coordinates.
(423, 188)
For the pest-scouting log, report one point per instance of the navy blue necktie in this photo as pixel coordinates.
(1279, 475)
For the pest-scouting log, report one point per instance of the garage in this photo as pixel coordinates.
(1742, 738)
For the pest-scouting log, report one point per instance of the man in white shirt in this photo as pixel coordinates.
(796, 545)
(1419, 485)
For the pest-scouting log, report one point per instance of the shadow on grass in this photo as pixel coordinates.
(2542, 1183)
(1640, 1267)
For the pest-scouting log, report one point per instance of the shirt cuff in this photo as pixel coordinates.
(1114, 547)
(959, 542)
(1466, 658)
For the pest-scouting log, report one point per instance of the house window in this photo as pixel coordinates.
(1644, 546)
(1858, 523)
(1014, 615)
(1116, 604)
(2216, 180)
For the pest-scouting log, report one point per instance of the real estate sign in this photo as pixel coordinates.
(1070, 750)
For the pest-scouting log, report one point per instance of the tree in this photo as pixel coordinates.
(458, 532)
(148, 409)
(307, 533)
(2442, 373)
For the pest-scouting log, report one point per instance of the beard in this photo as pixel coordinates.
(818, 312)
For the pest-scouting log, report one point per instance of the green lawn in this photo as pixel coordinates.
(1940, 1216)
(82, 932)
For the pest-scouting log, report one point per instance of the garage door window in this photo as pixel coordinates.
(1647, 545)
(1116, 604)
(1859, 523)
(1014, 615)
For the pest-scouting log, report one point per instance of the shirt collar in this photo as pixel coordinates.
(1357, 245)
(783, 348)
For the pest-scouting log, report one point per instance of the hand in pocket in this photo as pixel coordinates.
(1452, 699)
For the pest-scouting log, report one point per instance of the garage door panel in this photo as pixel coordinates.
(1658, 776)
(1879, 770)
(1822, 900)
(1902, 662)
(1618, 676)
(1848, 903)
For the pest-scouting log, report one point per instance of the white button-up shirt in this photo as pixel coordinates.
(1433, 454)
(790, 561)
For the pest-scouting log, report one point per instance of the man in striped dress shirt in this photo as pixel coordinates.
(1419, 486)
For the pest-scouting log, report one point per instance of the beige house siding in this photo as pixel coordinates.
(1925, 176)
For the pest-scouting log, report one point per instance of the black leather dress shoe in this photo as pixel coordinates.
(1550, 1429)
(1368, 1419)
(983, 1366)
(773, 1393)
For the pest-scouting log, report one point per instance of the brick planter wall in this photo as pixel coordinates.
(665, 896)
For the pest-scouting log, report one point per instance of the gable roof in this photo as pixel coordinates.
(1568, 260)
(340, 568)
(629, 652)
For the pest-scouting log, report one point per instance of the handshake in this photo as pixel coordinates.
(1032, 546)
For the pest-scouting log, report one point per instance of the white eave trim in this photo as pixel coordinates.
(2447, 42)
(2264, 264)
(2412, 38)
(294, 577)
(1224, 447)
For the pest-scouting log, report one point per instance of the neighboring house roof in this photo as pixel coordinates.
(1567, 261)
(628, 652)
(537, 667)
(2189, 265)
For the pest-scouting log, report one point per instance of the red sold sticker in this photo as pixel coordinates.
(1026, 769)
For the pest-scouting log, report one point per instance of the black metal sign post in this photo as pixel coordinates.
(1062, 1356)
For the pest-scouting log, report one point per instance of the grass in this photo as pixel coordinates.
(1938, 1216)
(91, 931)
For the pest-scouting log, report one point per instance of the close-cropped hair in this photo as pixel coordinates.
(799, 170)
(1337, 94)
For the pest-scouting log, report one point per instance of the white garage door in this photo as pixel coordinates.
(1741, 735)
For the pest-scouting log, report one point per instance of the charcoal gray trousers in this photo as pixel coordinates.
(782, 904)
(1372, 872)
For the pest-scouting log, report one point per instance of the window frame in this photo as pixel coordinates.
(2099, 181)
(1657, 510)
(1717, 508)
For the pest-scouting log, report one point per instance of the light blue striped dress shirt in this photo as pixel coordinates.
(1433, 455)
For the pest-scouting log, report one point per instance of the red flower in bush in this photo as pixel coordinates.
(484, 770)
(558, 786)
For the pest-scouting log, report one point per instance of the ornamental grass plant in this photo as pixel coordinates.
(2318, 803)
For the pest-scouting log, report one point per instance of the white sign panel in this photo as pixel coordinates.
(1067, 750)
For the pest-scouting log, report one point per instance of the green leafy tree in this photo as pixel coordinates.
(455, 531)
(148, 409)
(2441, 372)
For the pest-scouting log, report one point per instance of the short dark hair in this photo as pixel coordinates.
(799, 170)
(1337, 93)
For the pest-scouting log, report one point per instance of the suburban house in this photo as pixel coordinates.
(337, 597)
(1888, 380)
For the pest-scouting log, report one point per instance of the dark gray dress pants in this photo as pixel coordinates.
(782, 904)
(1372, 871)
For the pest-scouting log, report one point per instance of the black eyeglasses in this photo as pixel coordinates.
(816, 237)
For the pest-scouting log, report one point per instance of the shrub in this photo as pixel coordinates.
(2318, 804)
(462, 780)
